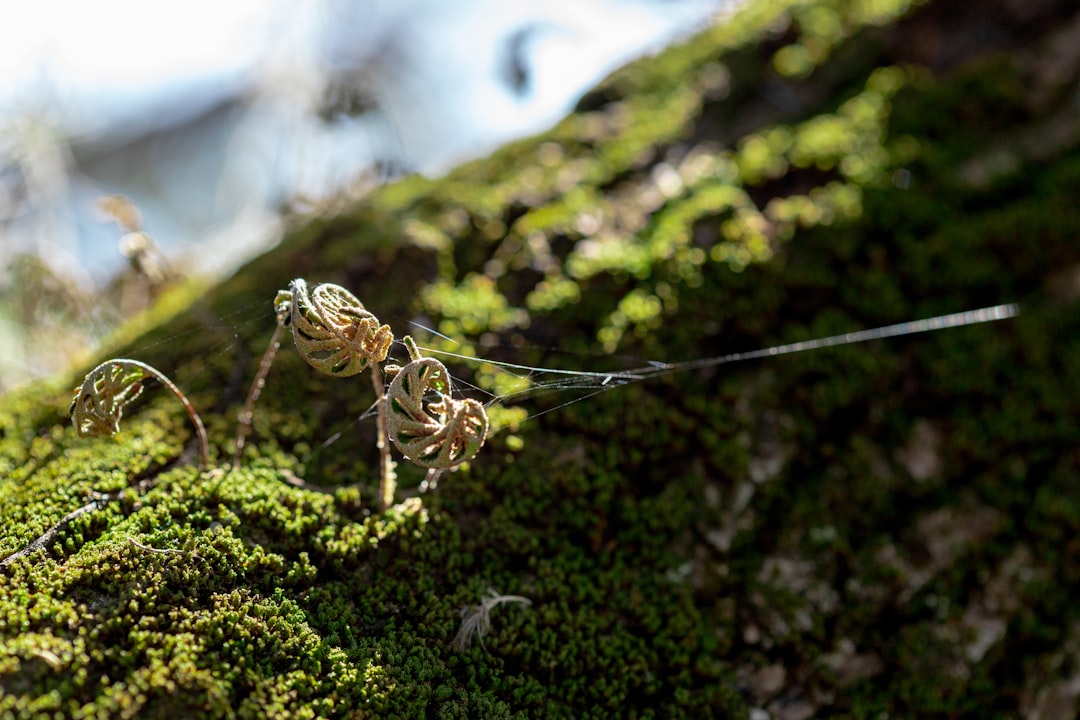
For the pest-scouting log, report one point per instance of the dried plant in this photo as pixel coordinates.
(123, 211)
(338, 336)
(98, 404)
(476, 619)
(137, 245)
(333, 330)
(426, 424)
(282, 305)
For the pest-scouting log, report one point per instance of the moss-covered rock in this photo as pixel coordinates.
(884, 528)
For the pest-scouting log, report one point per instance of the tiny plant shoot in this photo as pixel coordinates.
(98, 404)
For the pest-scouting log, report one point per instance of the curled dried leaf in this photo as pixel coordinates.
(426, 424)
(98, 404)
(333, 331)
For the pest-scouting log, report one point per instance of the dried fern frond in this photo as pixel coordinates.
(427, 425)
(338, 336)
(98, 404)
(333, 331)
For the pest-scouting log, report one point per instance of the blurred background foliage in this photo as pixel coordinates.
(219, 122)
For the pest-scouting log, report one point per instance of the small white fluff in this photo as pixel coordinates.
(476, 619)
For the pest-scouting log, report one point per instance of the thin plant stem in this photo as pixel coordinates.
(431, 480)
(387, 476)
(244, 427)
(166, 551)
(98, 502)
(46, 538)
(200, 431)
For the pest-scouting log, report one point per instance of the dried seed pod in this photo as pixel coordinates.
(98, 404)
(433, 433)
(333, 331)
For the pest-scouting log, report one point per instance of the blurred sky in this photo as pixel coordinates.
(210, 116)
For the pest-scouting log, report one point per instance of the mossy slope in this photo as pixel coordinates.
(881, 528)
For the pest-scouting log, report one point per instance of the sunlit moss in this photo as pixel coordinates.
(640, 310)
(793, 61)
(553, 293)
(762, 156)
(472, 307)
(559, 215)
(503, 417)
(879, 12)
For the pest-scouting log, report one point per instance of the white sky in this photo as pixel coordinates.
(98, 66)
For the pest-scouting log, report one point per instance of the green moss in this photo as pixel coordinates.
(888, 527)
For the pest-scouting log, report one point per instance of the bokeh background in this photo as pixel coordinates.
(218, 121)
